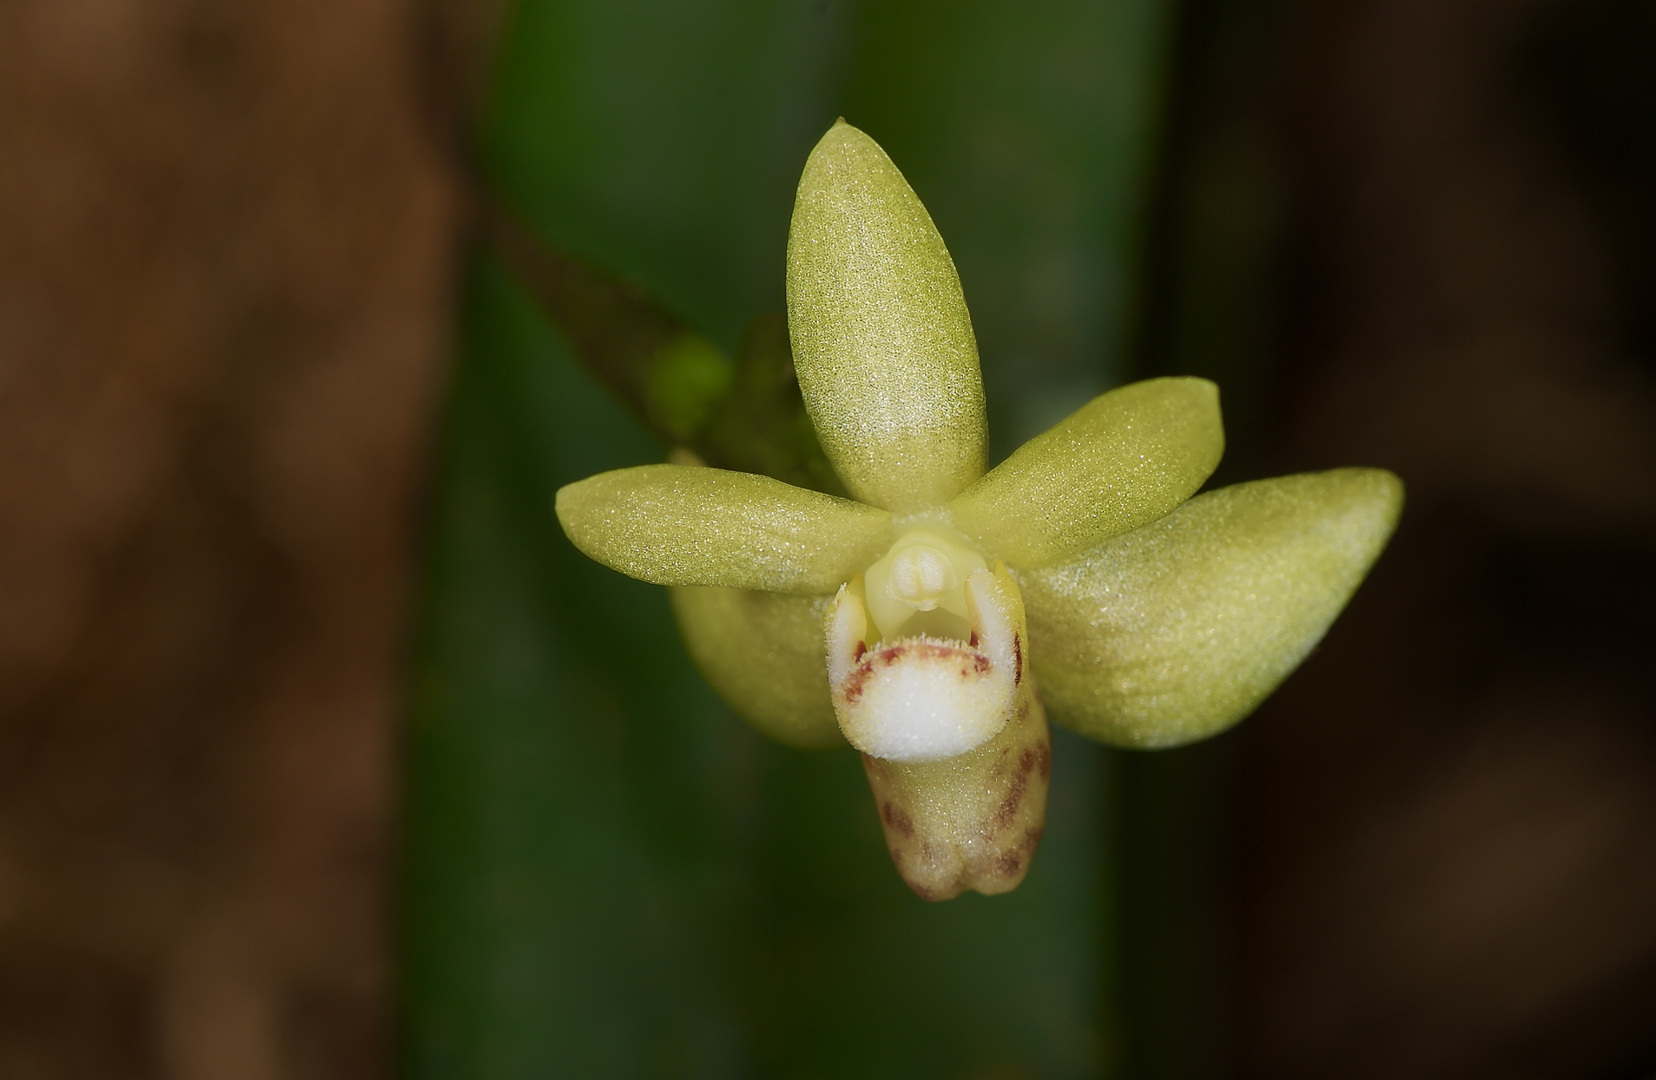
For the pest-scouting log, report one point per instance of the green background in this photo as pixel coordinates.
(607, 874)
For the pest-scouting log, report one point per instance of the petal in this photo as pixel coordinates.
(689, 525)
(1121, 461)
(881, 338)
(1179, 629)
(763, 653)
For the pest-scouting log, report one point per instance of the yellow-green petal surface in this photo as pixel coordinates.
(689, 525)
(1121, 461)
(881, 338)
(763, 653)
(1179, 629)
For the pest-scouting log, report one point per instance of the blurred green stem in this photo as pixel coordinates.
(744, 414)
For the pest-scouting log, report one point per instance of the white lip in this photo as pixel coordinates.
(923, 698)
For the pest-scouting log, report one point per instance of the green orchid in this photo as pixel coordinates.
(917, 619)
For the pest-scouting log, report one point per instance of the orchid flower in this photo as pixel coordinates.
(937, 618)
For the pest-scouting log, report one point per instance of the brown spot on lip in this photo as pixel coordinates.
(1038, 756)
(897, 821)
(1017, 659)
(854, 681)
(858, 680)
(978, 664)
(925, 650)
(851, 690)
(1008, 811)
(1009, 864)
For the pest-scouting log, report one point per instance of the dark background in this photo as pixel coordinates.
(1408, 233)
(1420, 233)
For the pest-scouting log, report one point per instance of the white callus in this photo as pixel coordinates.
(928, 695)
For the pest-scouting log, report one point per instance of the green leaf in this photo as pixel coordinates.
(762, 652)
(882, 341)
(1121, 461)
(1177, 630)
(690, 525)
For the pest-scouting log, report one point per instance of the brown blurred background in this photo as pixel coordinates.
(1422, 233)
(1412, 233)
(227, 249)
